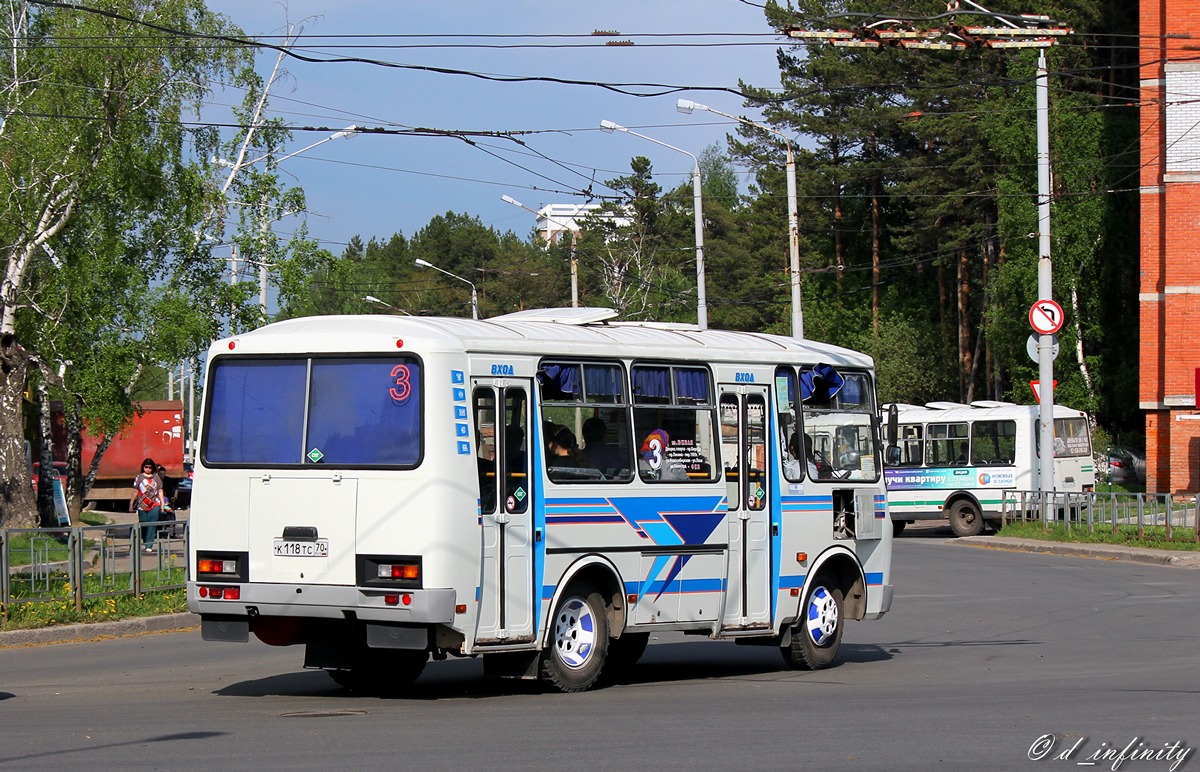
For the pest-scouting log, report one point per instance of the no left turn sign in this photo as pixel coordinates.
(1046, 317)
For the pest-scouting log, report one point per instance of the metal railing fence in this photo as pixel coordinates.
(1145, 516)
(73, 565)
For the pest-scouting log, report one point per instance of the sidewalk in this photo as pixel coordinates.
(1177, 558)
(126, 517)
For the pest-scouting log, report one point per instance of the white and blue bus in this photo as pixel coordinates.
(956, 461)
(544, 489)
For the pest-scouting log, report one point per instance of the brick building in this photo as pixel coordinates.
(1170, 247)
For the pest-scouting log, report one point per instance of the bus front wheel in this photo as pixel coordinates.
(966, 519)
(574, 656)
(817, 636)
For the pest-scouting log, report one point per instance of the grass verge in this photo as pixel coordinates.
(1152, 537)
(60, 610)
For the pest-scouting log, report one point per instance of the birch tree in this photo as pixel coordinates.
(99, 197)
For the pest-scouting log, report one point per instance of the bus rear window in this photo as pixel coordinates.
(359, 412)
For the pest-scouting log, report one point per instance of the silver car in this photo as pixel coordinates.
(1126, 466)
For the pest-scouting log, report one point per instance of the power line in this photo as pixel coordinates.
(638, 89)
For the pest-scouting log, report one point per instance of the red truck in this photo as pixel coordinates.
(155, 431)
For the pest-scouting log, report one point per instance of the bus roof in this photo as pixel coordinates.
(943, 412)
(584, 332)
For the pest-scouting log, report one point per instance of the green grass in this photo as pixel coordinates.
(92, 517)
(50, 601)
(1105, 487)
(1154, 537)
(61, 610)
(44, 547)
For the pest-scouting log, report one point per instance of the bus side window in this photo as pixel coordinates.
(912, 445)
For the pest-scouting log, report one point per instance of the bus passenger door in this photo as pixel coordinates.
(506, 600)
(744, 449)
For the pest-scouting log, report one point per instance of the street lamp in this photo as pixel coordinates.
(346, 133)
(474, 297)
(574, 243)
(687, 106)
(701, 303)
(373, 299)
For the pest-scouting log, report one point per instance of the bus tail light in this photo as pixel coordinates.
(399, 571)
(216, 566)
(222, 566)
(390, 571)
(219, 592)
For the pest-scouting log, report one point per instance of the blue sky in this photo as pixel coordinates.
(374, 186)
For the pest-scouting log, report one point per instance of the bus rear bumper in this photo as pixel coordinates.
(228, 619)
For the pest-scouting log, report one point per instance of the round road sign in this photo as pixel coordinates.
(1046, 317)
(1031, 347)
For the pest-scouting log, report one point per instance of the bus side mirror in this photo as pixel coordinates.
(891, 455)
(893, 427)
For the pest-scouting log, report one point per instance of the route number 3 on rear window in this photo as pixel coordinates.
(401, 387)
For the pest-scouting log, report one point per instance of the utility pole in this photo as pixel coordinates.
(1013, 31)
(574, 244)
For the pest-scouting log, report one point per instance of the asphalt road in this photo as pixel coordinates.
(984, 652)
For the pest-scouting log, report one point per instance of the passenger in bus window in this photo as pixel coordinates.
(563, 449)
(600, 454)
(514, 454)
(818, 468)
(791, 461)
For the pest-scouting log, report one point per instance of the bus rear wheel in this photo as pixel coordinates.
(817, 636)
(578, 645)
(966, 519)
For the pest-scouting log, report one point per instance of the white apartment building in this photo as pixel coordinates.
(554, 220)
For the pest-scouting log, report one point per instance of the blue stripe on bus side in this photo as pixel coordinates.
(805, 503)
(792, 581)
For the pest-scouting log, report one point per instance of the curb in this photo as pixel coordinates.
(1176, 558)
(94, 630)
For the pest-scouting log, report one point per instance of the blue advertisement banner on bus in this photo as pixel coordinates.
(961, 477)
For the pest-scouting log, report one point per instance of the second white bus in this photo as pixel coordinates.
(956, 461)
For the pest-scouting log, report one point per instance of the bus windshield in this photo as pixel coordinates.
(838, 421)
(303, 411)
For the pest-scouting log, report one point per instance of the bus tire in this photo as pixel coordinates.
(578, 645)
(382, 672)
(898, 527)
(966, 519)
(817, 635)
